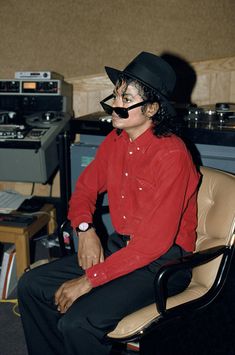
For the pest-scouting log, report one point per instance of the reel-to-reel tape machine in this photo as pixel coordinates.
(32, 115)
(219, 116)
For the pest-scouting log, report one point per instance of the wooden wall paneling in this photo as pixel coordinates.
(55, 191)
(93, 99)
(201, 92)
(215, 65)
(220, 87)
(215, 81)
(80, 103)
(88, 91)
(232, 92)
(42, 189)
(22, 187)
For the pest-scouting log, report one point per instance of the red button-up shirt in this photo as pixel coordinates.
(152, 189)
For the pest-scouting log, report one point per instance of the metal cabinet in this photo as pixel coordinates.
(217, 156)
(82, 154)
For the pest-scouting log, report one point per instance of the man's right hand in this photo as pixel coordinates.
(90, 251)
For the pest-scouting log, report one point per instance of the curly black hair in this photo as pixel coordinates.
(163, 119)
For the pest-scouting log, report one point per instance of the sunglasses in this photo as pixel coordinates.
(122, 112)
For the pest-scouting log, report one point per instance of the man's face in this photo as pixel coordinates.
(138, 121)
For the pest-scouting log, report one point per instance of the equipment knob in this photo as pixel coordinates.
(48, 116)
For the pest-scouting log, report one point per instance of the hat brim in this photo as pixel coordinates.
(114, 74)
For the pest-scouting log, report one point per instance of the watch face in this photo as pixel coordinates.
(83, 226)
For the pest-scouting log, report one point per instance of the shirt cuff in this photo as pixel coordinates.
(97, 275)
(81, 218)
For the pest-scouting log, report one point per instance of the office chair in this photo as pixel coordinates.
(210, 262)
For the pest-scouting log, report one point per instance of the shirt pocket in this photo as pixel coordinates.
(144, 194)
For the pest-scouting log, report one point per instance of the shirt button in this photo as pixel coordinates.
(130, 153)
(95, 274)
(123, 196)
(124, 217)
(138, 148)
(140, 188)
(126, 174)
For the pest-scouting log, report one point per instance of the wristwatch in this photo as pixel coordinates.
(83, 227)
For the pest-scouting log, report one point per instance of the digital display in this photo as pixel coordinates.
(29, 85)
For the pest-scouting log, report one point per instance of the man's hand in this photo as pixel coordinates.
(71, 290)
(90, 251)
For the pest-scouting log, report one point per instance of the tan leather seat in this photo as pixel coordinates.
(216, 223)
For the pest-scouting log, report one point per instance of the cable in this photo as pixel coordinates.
(15, 302)
(9, 301)
(14, 310)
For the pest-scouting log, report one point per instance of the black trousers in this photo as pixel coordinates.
(82, 329)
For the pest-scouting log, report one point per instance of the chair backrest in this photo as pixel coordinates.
(216, 218)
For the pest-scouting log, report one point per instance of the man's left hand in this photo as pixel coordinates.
(71, 290)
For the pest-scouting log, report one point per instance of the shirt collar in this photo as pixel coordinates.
(142, 142)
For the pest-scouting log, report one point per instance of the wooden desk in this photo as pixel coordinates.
(20, 236)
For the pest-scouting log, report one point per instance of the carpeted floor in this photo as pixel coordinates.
(11, 333)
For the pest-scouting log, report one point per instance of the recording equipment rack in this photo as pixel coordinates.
(33, 114)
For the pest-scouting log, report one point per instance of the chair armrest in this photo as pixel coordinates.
(65, 227)
(187, 262)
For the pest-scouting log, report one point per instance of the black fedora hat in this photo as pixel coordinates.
(150, 70)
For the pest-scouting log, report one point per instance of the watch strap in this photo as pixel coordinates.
(78, 230)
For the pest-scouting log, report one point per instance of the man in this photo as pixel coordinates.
(68, 306)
